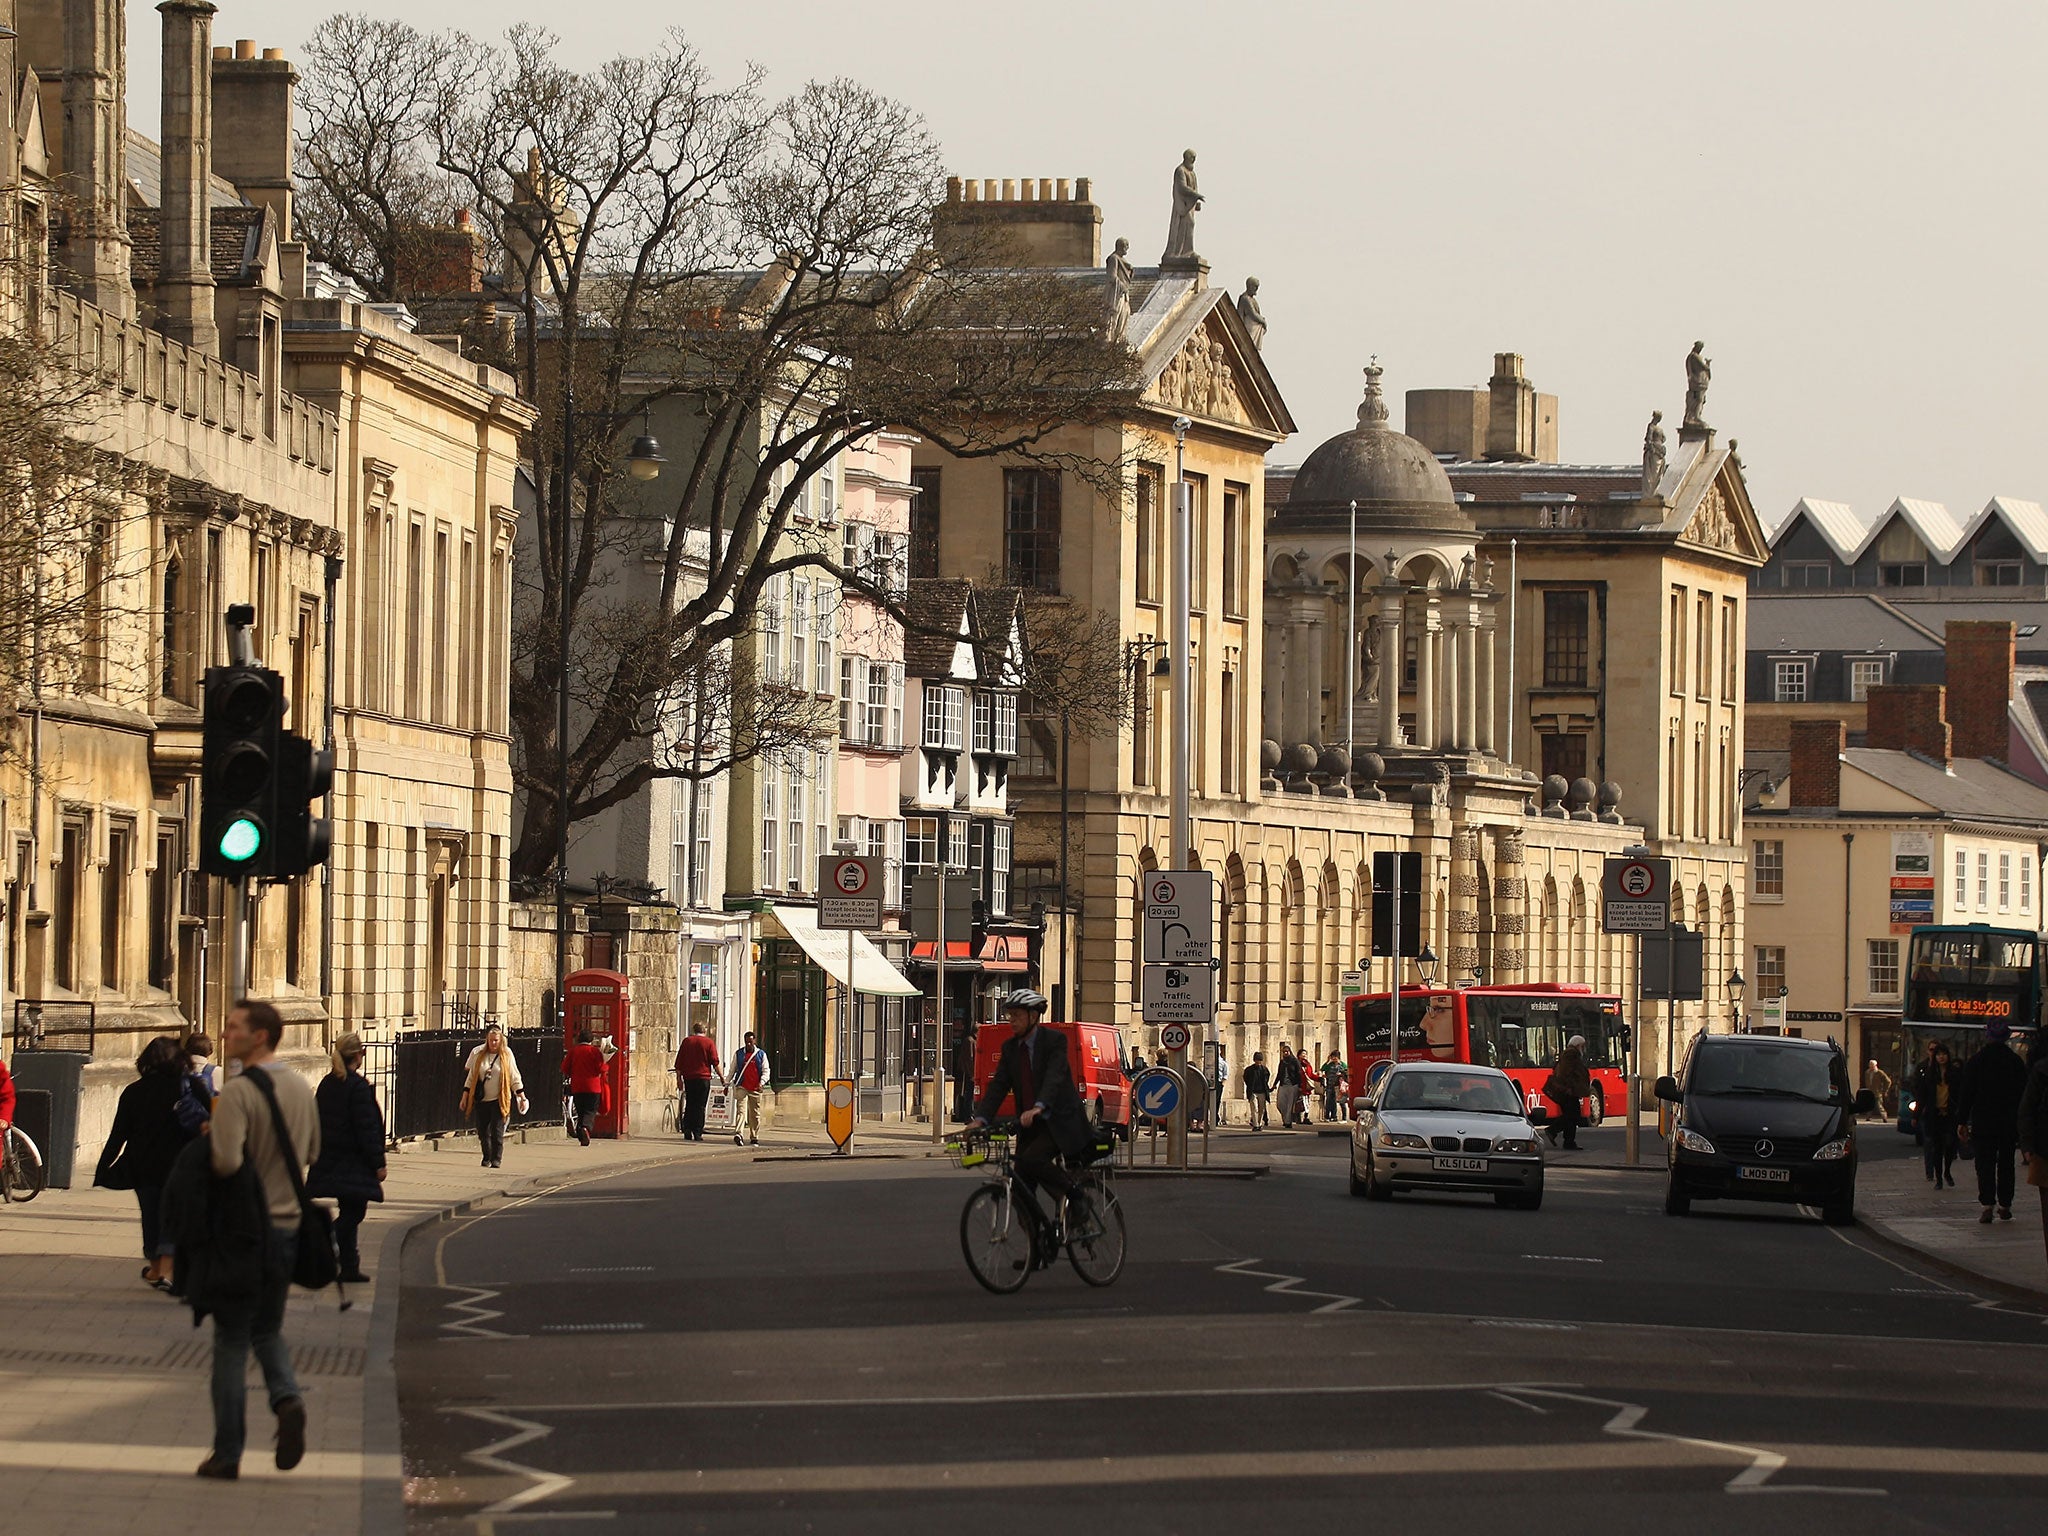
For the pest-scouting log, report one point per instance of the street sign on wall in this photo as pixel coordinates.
(1179, 994)
(1180, 916)
(849, 892)
(1635, 895)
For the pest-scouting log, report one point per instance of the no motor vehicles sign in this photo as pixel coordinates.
(1635, 895)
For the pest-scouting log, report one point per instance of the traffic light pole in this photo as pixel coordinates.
(238, 942)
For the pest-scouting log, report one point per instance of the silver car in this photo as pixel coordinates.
(1444, 1125)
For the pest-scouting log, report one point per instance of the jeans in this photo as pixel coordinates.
(696, 1091)
(353, 1209)
(259, 1324)
(1994, 1156)
(586, 1109)
(490, 1131)
(150, 1197)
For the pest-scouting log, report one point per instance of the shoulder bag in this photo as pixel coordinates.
(316, 1265)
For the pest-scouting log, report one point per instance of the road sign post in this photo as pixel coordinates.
(1178, 985)
(1635, 897)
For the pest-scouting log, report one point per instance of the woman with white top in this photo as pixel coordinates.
(491, 1091)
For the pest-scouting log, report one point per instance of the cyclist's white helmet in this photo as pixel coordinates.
(1025, 1002)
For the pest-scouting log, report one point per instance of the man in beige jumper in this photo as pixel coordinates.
(243, 1130)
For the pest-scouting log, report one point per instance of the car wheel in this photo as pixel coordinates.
(1842, 1215)
(1599, 1105)
(1374, 1189)
(1358, 1185)
(1676, 1201)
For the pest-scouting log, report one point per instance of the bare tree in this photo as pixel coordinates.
(760, 271)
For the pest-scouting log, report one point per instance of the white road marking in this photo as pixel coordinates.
(471, 1326)
(1562, 1258)
(1754, 1478)
(492, 1456)
(1008, 1399)
(1509, 1397)
(1289, 1285)
(592, 1327)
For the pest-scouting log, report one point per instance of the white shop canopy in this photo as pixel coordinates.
(872, 972)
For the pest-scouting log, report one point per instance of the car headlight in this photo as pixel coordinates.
(1834, 1151)
(1693, 1141)
(1403, 1139)
(1521, 1145)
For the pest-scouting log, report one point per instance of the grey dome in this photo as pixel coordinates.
(1396, 482)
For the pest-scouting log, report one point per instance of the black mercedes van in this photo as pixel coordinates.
(1762, 1117)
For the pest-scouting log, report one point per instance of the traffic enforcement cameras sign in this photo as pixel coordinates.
(849, 892)
(1180, 916)
(1635, 895)
(1179, 994)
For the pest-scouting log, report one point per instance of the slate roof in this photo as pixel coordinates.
(237, 238)
(1938, 528)
(1493, 482)
(1835, 621)
(1968, 788)
(145, 166)
(937, 611)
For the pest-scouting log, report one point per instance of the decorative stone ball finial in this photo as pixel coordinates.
(1579, 799)
(1368, 771)
(1555, 788)
(1610, 802)
(1334, 766)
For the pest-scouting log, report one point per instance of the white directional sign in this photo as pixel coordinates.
(849, 892)
(1179, 994)
(1175, 1037)
(1180, 916)
(1635, 895)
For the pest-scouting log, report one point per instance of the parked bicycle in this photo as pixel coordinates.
(22, 1174)
(1005, 1232)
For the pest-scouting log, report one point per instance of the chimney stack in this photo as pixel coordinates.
(1909, 717)
(1980, 668)
(184, 287)
(94, 142)
(1817, 763)
(252, 125)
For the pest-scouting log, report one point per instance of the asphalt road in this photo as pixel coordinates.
(730, 1345)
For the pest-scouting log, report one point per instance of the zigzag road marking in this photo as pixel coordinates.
(1289, 1285)
(545, 1484)
(472, 1325)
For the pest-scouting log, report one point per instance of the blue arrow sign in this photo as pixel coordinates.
(1157, 1093)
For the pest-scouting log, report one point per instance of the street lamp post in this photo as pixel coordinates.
(643, 463)
(1182, 841)
(1735, 988)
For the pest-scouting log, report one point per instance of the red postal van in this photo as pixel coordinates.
(1093, 1050)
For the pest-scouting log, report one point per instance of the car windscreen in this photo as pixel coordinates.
(1736, 1066)
(1478, 1093)
(1522, 1030)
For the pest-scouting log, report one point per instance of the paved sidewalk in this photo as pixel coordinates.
(103, 1382)
(1894, 1200)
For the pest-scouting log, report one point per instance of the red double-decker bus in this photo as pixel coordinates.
(1519, 1029)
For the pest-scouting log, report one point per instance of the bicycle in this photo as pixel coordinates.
(1005, 1233)
(22, 1175)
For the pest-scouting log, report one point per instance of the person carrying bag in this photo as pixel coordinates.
(316, 1265)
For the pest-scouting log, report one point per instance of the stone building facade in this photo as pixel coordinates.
(275, 445)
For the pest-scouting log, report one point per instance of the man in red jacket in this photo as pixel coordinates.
(696, 1060)
(583, 1066)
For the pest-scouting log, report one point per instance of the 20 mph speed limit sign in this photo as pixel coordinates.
(1175, 1037)
(1635, 895)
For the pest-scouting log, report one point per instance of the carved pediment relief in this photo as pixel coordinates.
(1711, 524)
(1202, 380)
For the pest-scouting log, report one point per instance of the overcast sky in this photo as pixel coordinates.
(1843, 198)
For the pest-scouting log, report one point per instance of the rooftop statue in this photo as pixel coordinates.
(1187, 197)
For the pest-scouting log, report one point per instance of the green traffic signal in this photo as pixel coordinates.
(241, 840)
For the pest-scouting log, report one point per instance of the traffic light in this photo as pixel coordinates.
(304, 775)
(241, 743)
(1383, 903)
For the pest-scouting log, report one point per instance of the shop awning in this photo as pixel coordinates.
(999, 952)
(872, 972)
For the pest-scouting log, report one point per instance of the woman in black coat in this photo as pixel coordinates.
(350, 1169)
(145, 1141)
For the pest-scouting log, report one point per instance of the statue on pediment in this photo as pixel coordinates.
(1653, 454)
(1249, 312)
(1223, 401)
(1699, 373)
(1187, 197)
(1118, 267)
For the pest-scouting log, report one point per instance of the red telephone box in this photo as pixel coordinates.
(598, 1006)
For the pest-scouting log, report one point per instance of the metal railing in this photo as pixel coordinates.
(60, 1024)
(422, 1084)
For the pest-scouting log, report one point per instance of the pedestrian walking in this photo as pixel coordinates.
(1987, 1104)
(583, 1078)
(350, 1168)
(195, 1103)
(2033, 1124)
(492, 1091)
(1287, 1084)
(1934, 1082)
(1566, 1087)
(1878, 1084)
(1334, 1073)
(749, 1079)
(1219, 1082)
(146, 1139)
(696, 1061)
(246, 1122)
(1258, 1092)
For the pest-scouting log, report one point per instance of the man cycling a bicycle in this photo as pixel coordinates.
(1052, 1122)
